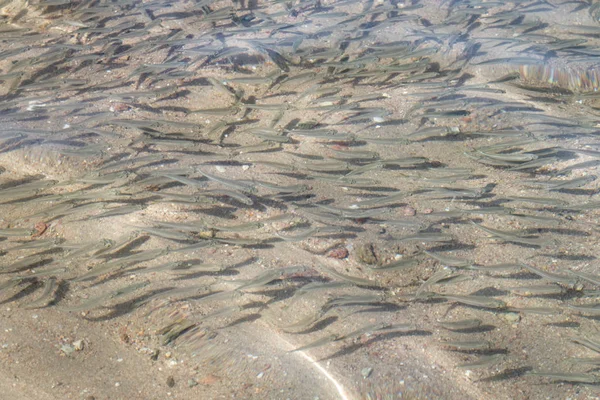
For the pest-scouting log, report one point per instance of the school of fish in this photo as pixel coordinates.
(346, 173)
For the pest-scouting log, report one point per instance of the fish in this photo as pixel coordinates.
(317, 343)
(426, 237)
(549, 275)
(465, 324)
(163, 233)
(243, 187)
(538, 290)
(477, 301)
(589, 309)
(572, 184)
(49, 288)
(105, 297)
(123, 210)
(433, 279)
(347, 278)
(593, 345)
(593, 361)
(512, 237)
(268, 277)
(353, 300)
(482, 362)
(400, 264)
(120, 263)
(448, 260)
(535, 310)
(474, 345)
(567, 377)
(305, 322)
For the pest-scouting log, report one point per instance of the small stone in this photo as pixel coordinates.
(339, 253)
(125, 338)
(209, 379)
(192, 383)
(67, 349)
(207, 234)
(40, 228)
(119, 107)
(307, 125)
(154, 355)
(366, 254)
(428, 211)
(512, 318)
(170, 381)
(78, 345)
(366, 372)
(219, 168)
(409, 211)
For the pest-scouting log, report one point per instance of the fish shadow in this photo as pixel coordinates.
(452, 247)
(31, 288)
(201, 274)
(247, 318)
(383, 307)
(558, 231)
(378, 338)
(579, 192)
(485, 352)
(570, 257)
(565, 324)
(126, 307)
(479, 329)
(320, 325)
(518, 275)
(490, 291)
(510, 373)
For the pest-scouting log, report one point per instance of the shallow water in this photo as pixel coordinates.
(293, 200)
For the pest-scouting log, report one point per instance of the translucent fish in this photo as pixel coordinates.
(465, 324)
(567, 377)
(49, 287)
(482, 362)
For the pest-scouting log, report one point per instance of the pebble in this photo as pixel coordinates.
(209, 379)
(366, 372)
(512, 318)
(192, 383)
(119, 107)
(78, 345)
(67, 349)
(339, 253)
(409, 211)
(170, 381)
(366, 254)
